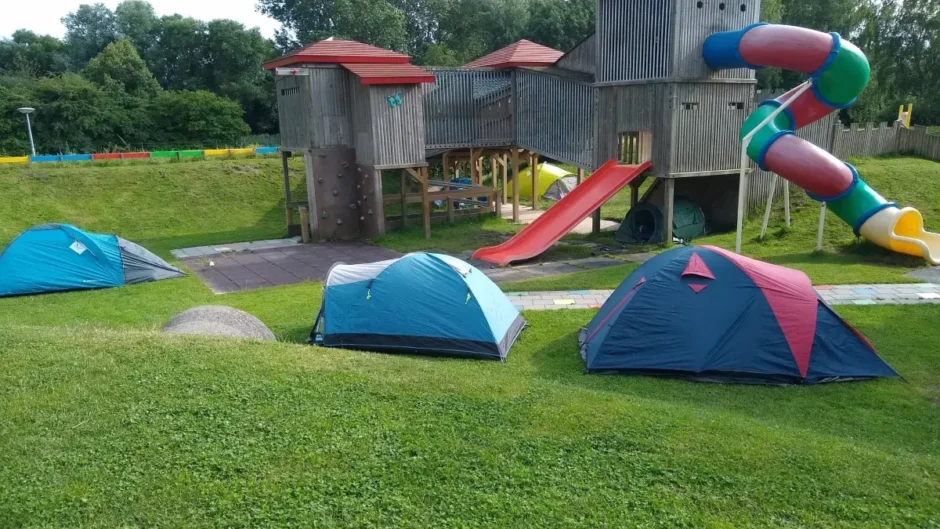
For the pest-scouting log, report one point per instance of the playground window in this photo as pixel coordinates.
(736, 105)
(290, 91)
(690, 106)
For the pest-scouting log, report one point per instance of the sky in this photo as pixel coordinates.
(43, 16)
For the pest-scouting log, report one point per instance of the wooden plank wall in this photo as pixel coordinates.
(919, 142)
(362, 122)
(861, 140)
(294, 104)
(468, 107)
(581, 58)
(634, 108)
(697, 20)
(556, 117)
(634, 39)
(397, 130)
(708, 124)
(330, 121)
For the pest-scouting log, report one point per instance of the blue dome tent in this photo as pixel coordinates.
(420, 303)
(711, 315)
(57, 257)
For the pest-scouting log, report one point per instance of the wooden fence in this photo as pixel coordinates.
(861, 140)
(919, 142)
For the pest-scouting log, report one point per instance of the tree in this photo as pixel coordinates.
(119, 67)
(34, 55)
(72, 114)
(375, 22)
(176, 59)
(196, 118)
(88, 30)
(561, 24)
(136, 21)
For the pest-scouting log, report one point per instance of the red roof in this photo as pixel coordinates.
(522, 53)
(339, 51)
(390, 73)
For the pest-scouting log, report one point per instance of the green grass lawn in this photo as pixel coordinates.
(105, 423)
(106, 428)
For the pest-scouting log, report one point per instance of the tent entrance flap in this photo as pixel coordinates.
(645, 223)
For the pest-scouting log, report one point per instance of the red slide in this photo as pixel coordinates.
(564, 215)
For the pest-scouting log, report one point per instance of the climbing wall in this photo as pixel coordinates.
(332, 180)
(369, 201)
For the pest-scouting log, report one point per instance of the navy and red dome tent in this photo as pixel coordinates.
(707, 314)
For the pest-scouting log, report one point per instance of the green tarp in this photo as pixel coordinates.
(645, 223)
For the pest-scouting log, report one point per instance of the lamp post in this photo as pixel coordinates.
(29, 127)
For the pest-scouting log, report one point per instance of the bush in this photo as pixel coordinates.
(196, 119)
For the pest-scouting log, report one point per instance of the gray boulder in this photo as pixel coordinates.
(216, 320)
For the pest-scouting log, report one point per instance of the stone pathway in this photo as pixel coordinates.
(894, 294)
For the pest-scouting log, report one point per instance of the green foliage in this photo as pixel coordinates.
(196, 118)
(561, 24)
(34, 55)
(119, 68)
(88, 30)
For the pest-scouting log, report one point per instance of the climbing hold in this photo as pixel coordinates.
(370, 212)
(339, 222)
(358, 186)
(345, 164)
(335, 192)
(339, 175)
(352, 206)
(361, 219)
(320, 179)
(358, 202)
(359, 169)
(324, 215)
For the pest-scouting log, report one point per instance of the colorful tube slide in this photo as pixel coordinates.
(839, 72)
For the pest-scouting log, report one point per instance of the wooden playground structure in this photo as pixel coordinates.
(636, 90)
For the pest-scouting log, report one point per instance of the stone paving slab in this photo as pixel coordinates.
(924, 293)
(238, 247)
(272, 263)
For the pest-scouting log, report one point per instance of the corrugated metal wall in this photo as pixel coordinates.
(634, 39)
(465, 108)
(629, 108)
(696, 20)
(556, 117)
(397, 128)
(582, 58)
(707, 126)
(294, 107)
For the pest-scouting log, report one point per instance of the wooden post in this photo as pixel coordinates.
(287, 198)
(580, 175)
(515, 184)
(378, 204)
(634, 195)
(534, 167)
(504, 161)
(450, 201)
(493, 181)
(596, 221)
(312, 201)
(425, 203)
(474, 167)
(304, 224)
(669, 201)
(404, 198)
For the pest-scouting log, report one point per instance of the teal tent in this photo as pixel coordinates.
(56, 257)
